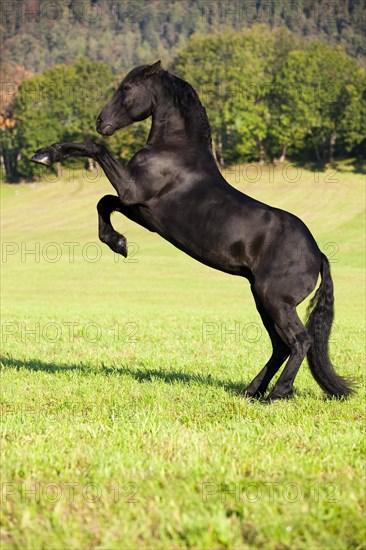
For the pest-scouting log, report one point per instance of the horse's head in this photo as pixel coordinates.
(133, 100)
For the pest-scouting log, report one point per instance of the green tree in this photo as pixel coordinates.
(311, 99)
(9, 149)
(232, 73)
(61, 104)
(352, 128)
(11, 77)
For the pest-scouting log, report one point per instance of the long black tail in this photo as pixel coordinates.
(319, 324)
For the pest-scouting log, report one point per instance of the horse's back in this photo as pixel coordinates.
(191, 205)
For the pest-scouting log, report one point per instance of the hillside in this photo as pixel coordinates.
(39, 34)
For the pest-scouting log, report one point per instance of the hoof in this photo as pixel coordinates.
(274, 396)
(41, 157)
(250, 395)
(122, 247)
(119, 246)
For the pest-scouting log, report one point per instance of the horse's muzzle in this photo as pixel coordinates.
(103, 129)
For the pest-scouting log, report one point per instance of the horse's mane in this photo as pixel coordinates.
(189, 105)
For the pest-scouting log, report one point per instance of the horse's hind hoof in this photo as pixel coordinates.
(250, 395)
(41, 157)
(274, 396)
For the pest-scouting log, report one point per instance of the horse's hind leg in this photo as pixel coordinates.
(108, 235)
(295, 335)
(280, 352)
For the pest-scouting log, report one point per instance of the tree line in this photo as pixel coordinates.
(41, 33)
(269, 95)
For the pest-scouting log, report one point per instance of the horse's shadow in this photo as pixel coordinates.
(142, 375)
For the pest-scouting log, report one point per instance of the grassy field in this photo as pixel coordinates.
(123, 424)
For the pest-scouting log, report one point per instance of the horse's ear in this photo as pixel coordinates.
(152, 69)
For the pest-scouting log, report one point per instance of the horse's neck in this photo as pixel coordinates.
(167, 124)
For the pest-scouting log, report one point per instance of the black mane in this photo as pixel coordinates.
(189, 105)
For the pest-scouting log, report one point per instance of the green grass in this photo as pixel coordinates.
(123, 424)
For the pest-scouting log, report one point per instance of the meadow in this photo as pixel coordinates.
(123, 421)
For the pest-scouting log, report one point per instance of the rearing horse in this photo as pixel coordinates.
(172, 186)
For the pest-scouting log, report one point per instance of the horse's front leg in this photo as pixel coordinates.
(57, 152)
(108, 235)
(118, 174)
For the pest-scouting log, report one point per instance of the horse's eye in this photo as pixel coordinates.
(126, 87)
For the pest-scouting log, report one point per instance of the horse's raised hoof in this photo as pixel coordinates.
(42, 157)
(119, 246)
(122, 247)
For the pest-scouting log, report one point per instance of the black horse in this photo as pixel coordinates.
(172, 186)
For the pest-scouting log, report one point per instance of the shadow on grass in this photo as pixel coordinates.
(143, 375)
(139, 374)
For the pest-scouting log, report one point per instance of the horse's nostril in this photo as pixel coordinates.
(99, 120)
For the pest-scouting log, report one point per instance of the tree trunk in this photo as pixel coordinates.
(332, 142)
(2, 163)
(262, 154)
(9, 164)
(324, 149)
(283, 154)
(315, 147)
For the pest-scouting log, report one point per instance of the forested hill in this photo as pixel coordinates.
(38, 33)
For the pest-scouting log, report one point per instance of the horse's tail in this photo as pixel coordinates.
(319, 324)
